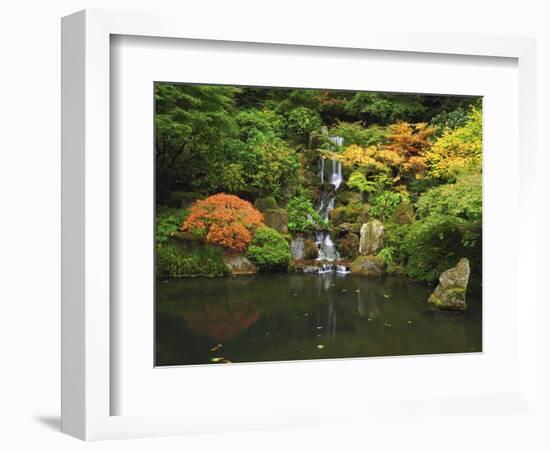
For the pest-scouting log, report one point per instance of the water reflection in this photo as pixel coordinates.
(288, 317)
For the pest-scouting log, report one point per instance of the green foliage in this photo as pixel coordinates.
(174, 261)
(168, 221)
(260, 121)
(383, 205)
(355, 133)
(271, 167)
(387, 254)
(434, 244)
(302, 121)
(381, 108)
(449, 120)
(449, 227)
(302, 217)
(192, 126)
(269, 250)
(462, 199)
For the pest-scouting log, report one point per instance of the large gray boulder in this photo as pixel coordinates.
(369, 266)
(371, 237)
(450, 293)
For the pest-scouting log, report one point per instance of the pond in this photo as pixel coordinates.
(281, 317)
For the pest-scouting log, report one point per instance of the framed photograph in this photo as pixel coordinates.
(252, 217)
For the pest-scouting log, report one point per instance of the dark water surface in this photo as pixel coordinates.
(285, 317)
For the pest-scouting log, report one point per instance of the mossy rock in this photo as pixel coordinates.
(403, 214)
(277, 219)
(450, 293)
(353, 211)
(347, 197)
(368, 266)
(310, 249)
(347, 227)
(348, 246)
(338, 215)
(265, 203)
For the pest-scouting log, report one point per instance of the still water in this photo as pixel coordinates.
(281, 317)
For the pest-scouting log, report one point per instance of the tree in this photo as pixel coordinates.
(302, 121)
(405, 149)
(383, 108)
(192, 126)
(458, 149)
(225, 220)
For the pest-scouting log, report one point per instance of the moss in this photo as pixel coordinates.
(310, 249)
(265, 203)
(348, 246)
(277, 219)
(403, 214)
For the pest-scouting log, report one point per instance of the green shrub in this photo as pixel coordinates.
(355, 133)
(173, 261)
(433, 245)
(302, 217)
(168, 221)
(384, 204)
(269, 250)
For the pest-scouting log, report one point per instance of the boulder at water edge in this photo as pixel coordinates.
(239, 264)
(450, 293)
(369, 266)
(372, 237)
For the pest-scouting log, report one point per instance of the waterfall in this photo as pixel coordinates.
(327, 200)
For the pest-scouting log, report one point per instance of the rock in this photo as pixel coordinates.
(311, 249)
(239, 264)
(265, 203)
(353, 211)
(450, 293)
(276, 219)
(370, 266)
(338, 215)
(403, 214)
(347, 197)
(348, 246)
(297, 248)
(372, 237)
(348, 227)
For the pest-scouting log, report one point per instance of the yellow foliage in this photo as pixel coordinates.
(458, 149)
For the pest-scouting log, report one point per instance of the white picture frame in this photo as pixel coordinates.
(87, 384)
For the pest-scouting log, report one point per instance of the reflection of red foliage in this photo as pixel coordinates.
(225, 220)
(221, 322)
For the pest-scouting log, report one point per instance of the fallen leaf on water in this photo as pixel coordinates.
(386, 296)
(320, 346)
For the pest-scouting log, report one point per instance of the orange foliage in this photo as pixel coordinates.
(406, 146)
(225, 220)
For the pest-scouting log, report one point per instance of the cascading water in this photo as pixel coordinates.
(327, 248)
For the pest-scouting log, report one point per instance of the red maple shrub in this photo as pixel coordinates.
(225, 220)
